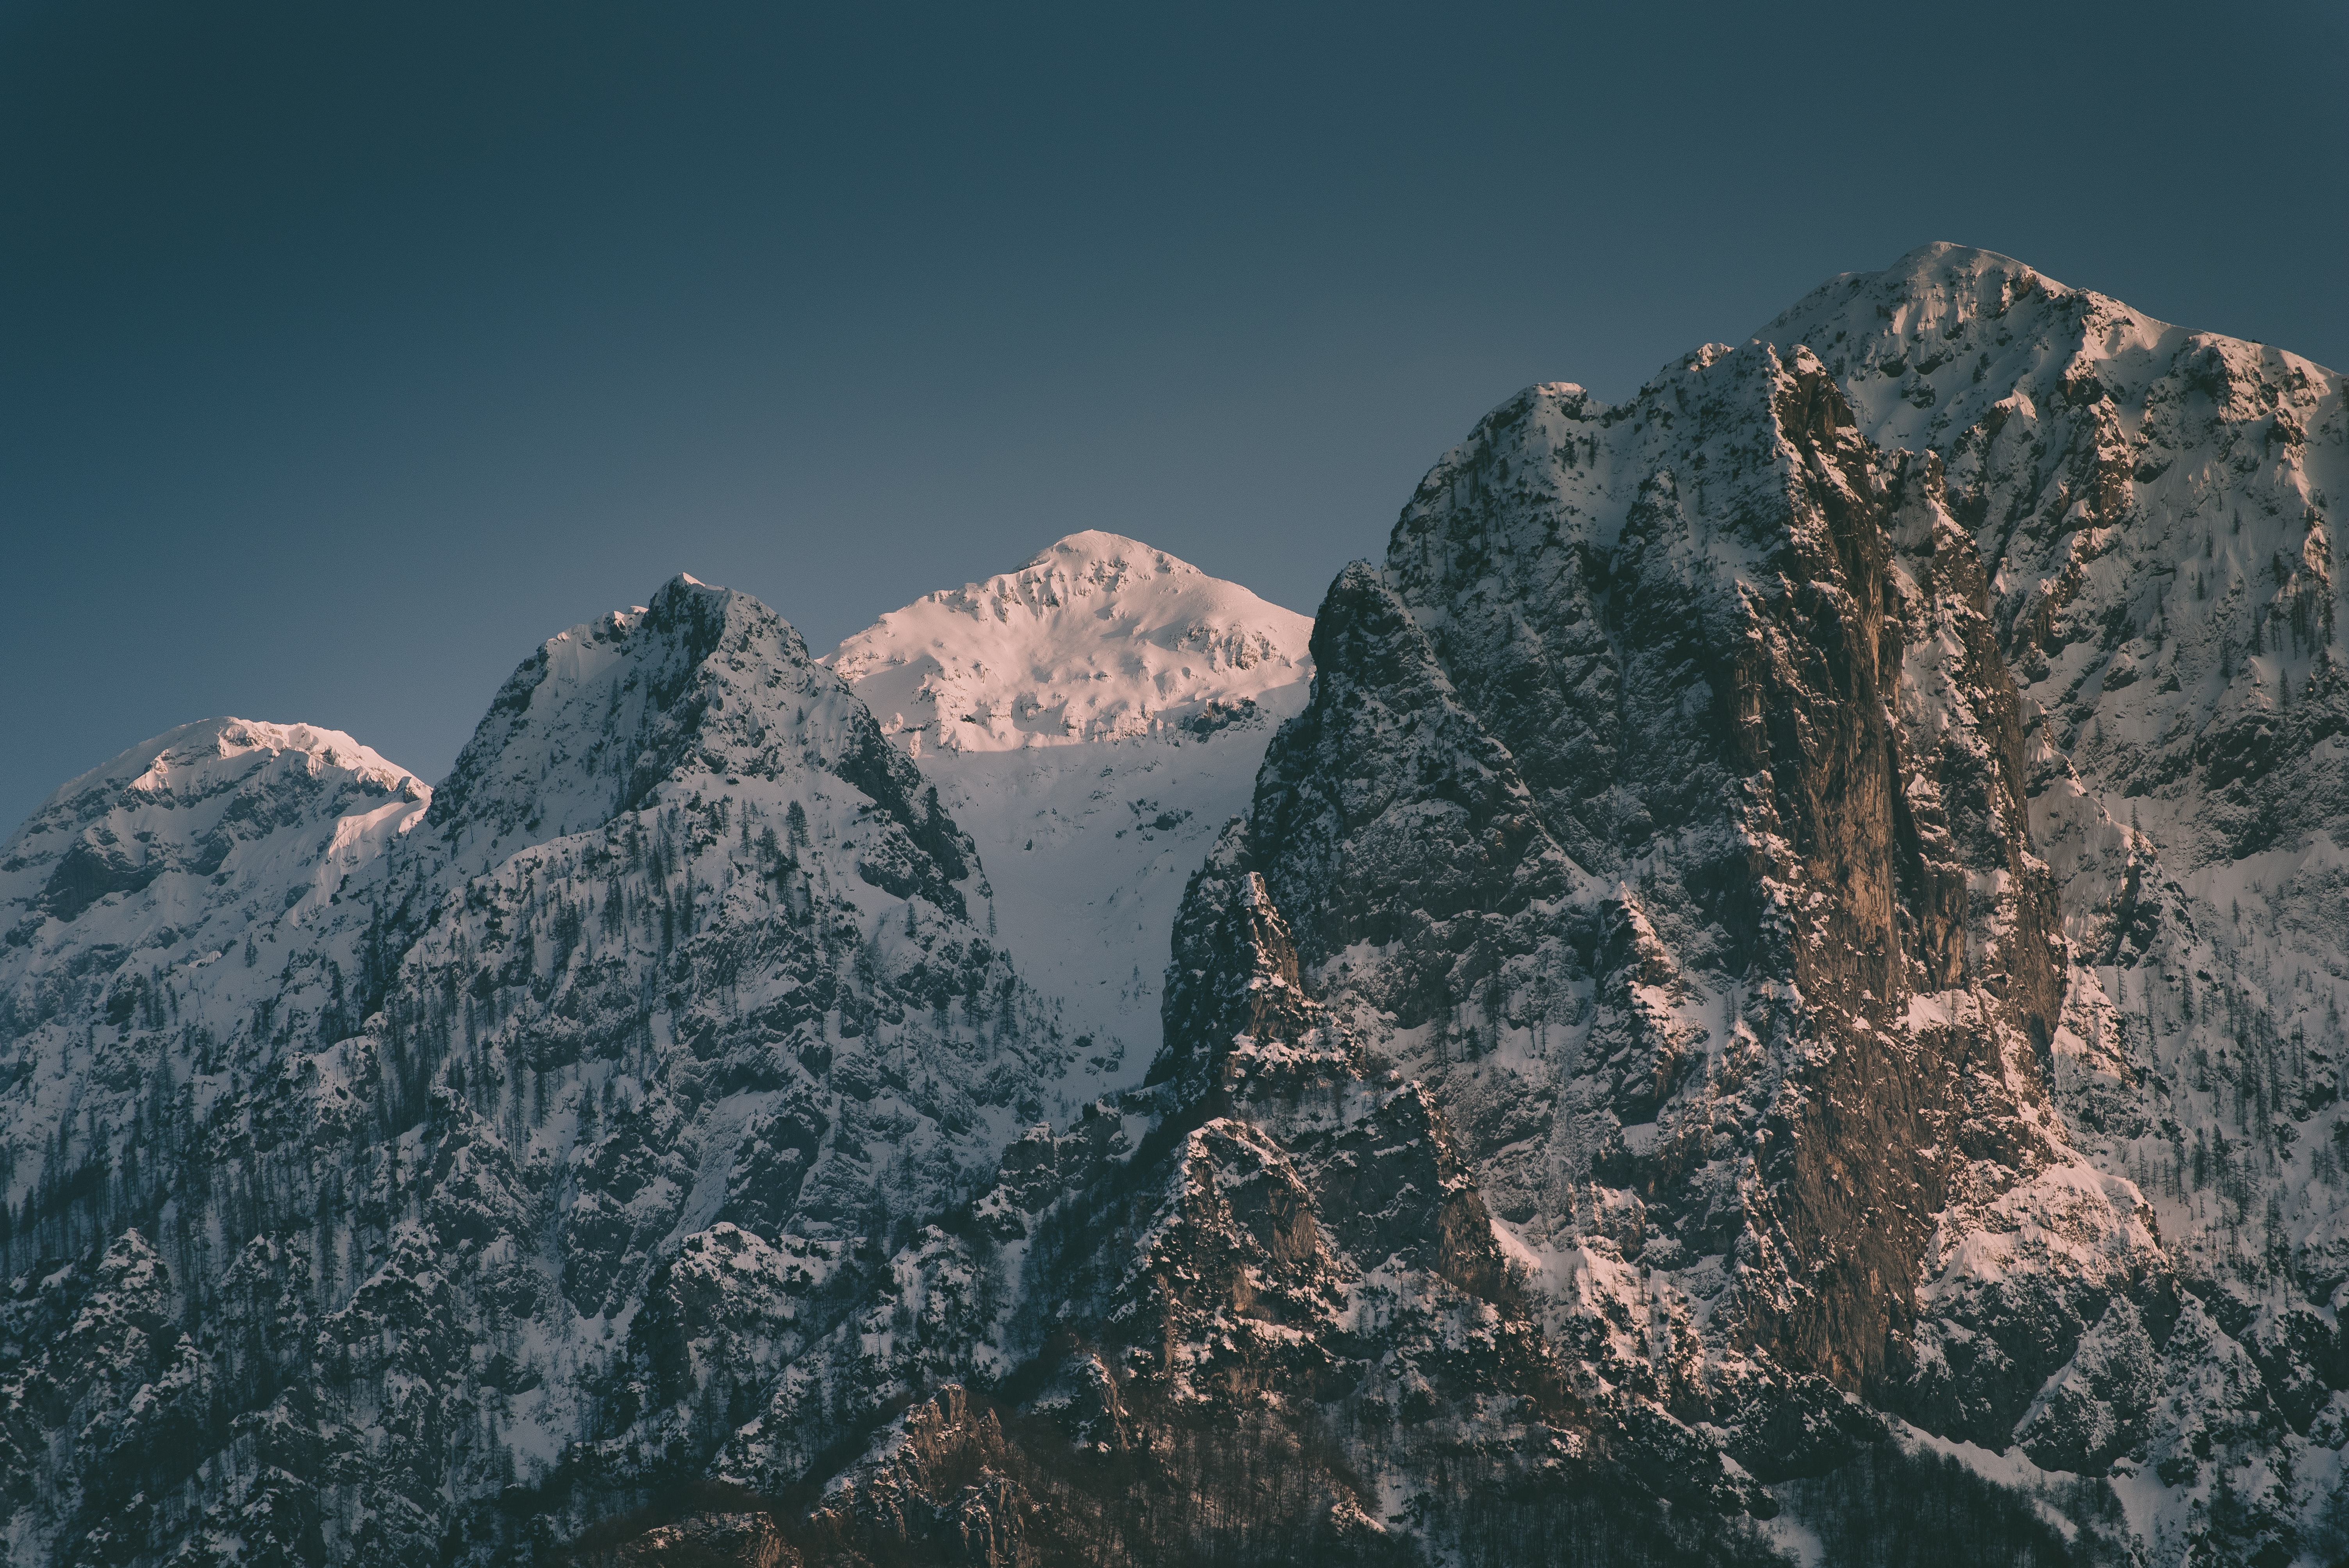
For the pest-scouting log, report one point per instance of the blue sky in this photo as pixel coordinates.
(348, 352)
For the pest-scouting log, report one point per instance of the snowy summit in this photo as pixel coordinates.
(1100, 637)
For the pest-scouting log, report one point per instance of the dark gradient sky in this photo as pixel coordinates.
(347, 352)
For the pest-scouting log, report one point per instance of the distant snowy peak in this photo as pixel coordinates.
(1100, 637)
(1179, 679)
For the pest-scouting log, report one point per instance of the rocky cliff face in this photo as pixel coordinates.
(2153, 509)
(1689, 800)
(1779, 999)
(1671, 788)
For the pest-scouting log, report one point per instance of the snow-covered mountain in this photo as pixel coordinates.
(1766, 989)
(1092, 720)
(320, 1271)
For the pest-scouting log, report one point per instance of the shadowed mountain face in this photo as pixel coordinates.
(1779, 997)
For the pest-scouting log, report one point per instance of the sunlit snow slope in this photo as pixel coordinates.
(1092, 720)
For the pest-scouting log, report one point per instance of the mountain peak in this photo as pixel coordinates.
(1932, 286)
(154, 765)
(1096, 545)
(1098, 637)
(1949, 256)
(704, 681)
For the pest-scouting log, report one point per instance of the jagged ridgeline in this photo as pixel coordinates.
(349, 1131)
(1779, 1000)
